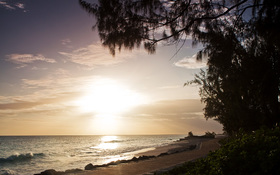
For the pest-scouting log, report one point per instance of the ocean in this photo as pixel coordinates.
(27, 155)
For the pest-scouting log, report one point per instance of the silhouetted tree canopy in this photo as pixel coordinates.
(241, 42)
(128, 23)
(241, 84)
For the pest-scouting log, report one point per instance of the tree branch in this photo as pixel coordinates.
(195, 20)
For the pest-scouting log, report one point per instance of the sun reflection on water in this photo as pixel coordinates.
(108, 142)
(109, 138)
(107, 146)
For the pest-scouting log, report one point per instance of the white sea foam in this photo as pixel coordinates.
(8, 172)
(20, 158)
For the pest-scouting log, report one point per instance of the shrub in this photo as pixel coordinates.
(255, 153)
(190, 134)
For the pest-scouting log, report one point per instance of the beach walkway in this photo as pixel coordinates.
(163, 162)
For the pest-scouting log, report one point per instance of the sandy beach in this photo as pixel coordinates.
(177, 154)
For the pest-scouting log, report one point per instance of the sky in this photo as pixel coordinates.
(57, 79)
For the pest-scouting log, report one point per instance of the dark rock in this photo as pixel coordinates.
(49, 172)
(123, 161)
(163, 154)
(89, 167)
(134, 159)
(73, 170)
(145, 157)
(113, 163)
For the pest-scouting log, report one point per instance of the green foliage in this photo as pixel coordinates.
(256, 153)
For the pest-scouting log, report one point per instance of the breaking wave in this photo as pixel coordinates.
(20, 157)
(7, 172)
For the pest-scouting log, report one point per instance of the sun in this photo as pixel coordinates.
(108, 97)
(107, 100)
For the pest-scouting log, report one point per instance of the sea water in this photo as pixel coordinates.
(26, 155)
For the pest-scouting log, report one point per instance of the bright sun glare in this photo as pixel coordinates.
(108, 97)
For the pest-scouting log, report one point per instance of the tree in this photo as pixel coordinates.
(190, 134)
(240, 87)
(128, 23)
(241, 43)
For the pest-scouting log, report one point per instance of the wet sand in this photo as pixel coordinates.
(203, 147)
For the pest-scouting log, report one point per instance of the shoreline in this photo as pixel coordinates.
(185, 144)
(151, 159)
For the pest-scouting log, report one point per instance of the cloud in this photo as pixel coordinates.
(54, 92)
(170, 87)
(20, 104)
(59, 82)
(39, 68)
(24, 59)
(170, 109)
(173, 116)
(191, 63)
(6, 5)
(60, 79)
(65, 41)
(96, 55)
(13, 6)
(20, 5)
